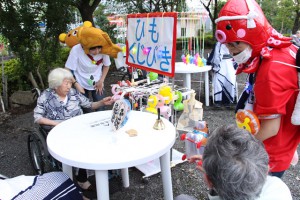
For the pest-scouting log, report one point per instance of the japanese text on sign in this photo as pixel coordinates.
(151, 42)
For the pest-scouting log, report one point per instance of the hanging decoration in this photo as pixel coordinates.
(192, 27)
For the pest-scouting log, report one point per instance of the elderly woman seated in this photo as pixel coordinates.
(61, 102)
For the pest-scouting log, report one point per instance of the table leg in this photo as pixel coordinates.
(102, 184)
(125, 177)
(166, 175)
(206, 89)
(68, 170)
(187, 81)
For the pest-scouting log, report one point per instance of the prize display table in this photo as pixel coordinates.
(88, 141)
(187, 70)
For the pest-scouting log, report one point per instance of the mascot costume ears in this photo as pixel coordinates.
(71, 39)
(243, 20)
(92, 37)
(89, 36)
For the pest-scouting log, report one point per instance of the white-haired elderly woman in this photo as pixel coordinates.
(235, 166)
(61, 102)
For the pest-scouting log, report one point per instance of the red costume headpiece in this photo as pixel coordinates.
(243, 20)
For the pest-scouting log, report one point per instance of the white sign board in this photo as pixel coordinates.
(151, 42)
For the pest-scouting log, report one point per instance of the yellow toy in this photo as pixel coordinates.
(92, 37)
(246, 119)
(152, 102)
(71, 38)
(166, 91)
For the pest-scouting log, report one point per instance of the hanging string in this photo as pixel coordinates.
(199, 31)
(195, 38)
(182, 33)
(200, 36)
(185, 35)
(203, 39)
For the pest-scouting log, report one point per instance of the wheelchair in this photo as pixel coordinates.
(39, 156)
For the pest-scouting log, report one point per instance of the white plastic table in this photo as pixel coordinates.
(87, 141)
(187, 70)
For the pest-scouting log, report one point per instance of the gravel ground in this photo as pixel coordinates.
(14, 160)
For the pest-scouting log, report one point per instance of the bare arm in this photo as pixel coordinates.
(268, 128)
(100, 84)
(78, 87)
(104, 102)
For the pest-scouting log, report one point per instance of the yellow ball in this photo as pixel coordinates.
(87, 24)
(62, 37)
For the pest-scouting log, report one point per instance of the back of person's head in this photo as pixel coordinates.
(236, 163)
(56, 77)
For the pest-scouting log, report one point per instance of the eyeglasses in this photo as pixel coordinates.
(232, 44)
(97, 47)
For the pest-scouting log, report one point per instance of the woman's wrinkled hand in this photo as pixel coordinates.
(198, 160)
(107, 101)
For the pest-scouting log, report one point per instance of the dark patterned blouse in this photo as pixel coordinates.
(49, 106)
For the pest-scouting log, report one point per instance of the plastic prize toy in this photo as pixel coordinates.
(165, 110)
(247, 120)
(116, 92)
(178, 105)
(195, 140)
(166, 92)
(153, 76)
(152, 103)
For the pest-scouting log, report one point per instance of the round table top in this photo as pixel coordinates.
(88, 141)
(182, 68)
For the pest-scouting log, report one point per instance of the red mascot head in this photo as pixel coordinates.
(243, 20)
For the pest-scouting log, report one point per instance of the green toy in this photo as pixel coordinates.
(178, 105)
(153, 76)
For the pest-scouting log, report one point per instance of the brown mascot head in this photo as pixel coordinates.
(92, 37)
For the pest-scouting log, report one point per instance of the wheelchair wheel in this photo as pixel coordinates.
(35, 153)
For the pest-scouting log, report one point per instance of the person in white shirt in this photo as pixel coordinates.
(235, 166)
(90, 70)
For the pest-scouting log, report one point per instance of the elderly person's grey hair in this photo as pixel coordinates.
(236, 163)
(56, 77)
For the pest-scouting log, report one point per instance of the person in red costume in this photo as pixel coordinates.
(271, 91)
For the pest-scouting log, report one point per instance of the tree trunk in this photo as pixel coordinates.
(213, 16)
(32, 80)
(86, 10)
(40, 78)
(296, 23)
